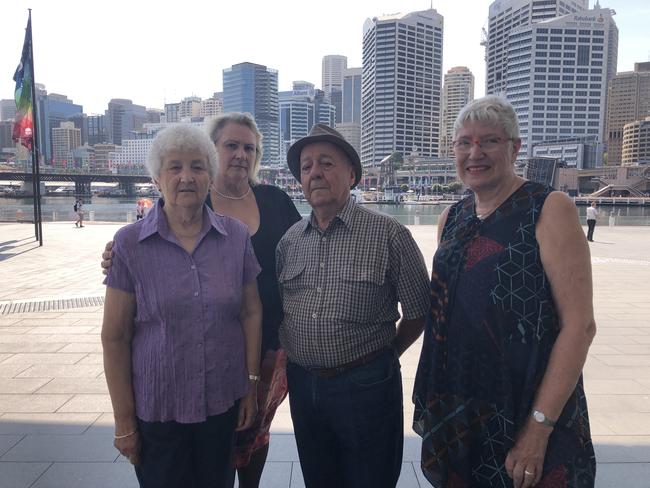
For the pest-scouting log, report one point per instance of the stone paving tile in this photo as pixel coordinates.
(87, 475)
(92, 358)
(283, 448)
(11, 370)
(641, 349)
(45, 322)
(22, 385)
(49, 359)
(408, 478)
(622, 449)
(14, 330)
(84, 347)
(627, 475)
(21, 475)
(70, 338)
(53, 328)
(32, 403)
(24, 346)
(5, 321)
(626, 360)
(4, 357)
(625, 423)
(88, 403)
(75, 385)
(61, 371)
(62, 449)
(619, 403)
(7, 442)
(46, 423)
(615, 387)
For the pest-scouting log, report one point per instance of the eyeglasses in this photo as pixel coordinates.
(488, 144)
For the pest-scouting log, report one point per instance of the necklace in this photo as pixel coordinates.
(233, 198)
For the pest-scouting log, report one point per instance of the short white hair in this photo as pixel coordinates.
(490, 109)
(181, 137)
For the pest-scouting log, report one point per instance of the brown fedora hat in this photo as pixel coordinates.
(323, 133)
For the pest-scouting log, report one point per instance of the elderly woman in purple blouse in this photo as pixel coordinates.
(182, 318)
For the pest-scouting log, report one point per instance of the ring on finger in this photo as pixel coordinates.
(528, 473)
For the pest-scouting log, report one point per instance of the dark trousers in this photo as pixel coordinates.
(349, 429)
(187, 455)
(591, 225)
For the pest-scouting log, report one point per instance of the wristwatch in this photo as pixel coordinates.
(253, 377)
(541, 418)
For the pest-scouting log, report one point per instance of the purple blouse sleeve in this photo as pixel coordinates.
(119, 276)
(251, 266)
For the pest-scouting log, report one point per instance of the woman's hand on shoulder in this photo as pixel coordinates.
(442, 220)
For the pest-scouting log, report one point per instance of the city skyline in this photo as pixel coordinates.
(162, 56)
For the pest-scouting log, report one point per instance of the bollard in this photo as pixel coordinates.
(91, 215)
(53, 215)
(416, 220)
(130, 217)
(612, 219)
(19, 215)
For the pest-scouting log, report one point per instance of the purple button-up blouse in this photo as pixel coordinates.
(188, 355)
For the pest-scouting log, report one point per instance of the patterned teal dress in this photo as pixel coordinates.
(487, 344)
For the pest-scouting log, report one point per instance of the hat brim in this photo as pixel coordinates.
(293, 155)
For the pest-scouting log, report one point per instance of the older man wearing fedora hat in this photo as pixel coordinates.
(342, 273)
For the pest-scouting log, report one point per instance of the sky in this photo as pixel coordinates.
(155, 52)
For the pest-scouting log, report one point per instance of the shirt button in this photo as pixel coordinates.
(199, 345)
(319, 289)
(196, 293)
(324, 239)
(322, 265)
(314, 315)
(193, 266)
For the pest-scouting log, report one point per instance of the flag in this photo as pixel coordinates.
(24, 121)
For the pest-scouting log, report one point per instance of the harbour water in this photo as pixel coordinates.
(123, 210)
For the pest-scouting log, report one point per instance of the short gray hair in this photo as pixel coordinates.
(181, 137)
(216, 125)
(490, 109)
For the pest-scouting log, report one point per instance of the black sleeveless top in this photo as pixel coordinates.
(488, 340)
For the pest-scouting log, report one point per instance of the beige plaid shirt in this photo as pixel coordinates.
(340, 287)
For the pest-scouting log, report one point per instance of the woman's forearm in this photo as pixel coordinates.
(117, 369)
(251, 320)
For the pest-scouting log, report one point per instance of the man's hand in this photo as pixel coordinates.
(107, 257)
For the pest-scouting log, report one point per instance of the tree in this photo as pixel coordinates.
(455, 186)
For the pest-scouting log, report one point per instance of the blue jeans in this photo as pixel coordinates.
(349, 429)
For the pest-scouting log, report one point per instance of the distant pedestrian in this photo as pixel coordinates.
(139, 210)
(592, 214)
(78, 208)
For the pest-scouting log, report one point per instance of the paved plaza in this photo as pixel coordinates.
(55, 413)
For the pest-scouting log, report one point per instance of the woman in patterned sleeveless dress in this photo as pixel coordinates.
(499, 400)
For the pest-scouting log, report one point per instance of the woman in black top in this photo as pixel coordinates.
(268, 212)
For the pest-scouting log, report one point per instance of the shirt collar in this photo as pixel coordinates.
(156, 222)
(345, 215)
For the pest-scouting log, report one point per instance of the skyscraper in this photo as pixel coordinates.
(352, 95)
(628, 100)
(506, 15)
(122, 117)
(7, 109)
(457, 91)
(402, 66)
(557, 76)
(52, 110)
(253, 88)
(65, 138)
(636, 143)
(333, 67)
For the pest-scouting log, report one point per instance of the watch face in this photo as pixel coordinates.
(539, 416)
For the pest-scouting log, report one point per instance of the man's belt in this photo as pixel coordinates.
(333, 372)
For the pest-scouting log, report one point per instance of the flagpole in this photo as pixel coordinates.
(35, 144)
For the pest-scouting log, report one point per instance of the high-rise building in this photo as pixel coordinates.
(636, 143)
(154, 115)
(300, 109)
(506, 15)
(628, 100)
(253, 88)
(52, 110)
(122, 117)
(7, 109)
(333, 67)
(80, 121)
(97, 133)
(557, 76)
(190, 107)
(457, 91)
(6, 133)
(351, 112)
(212, 107)
(65, 138)
(102, 151)
(401, 83)
(172, 111)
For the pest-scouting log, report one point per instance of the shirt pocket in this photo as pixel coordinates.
(295, 286)
(361, 292)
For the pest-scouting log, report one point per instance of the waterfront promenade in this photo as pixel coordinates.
(55, 413)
